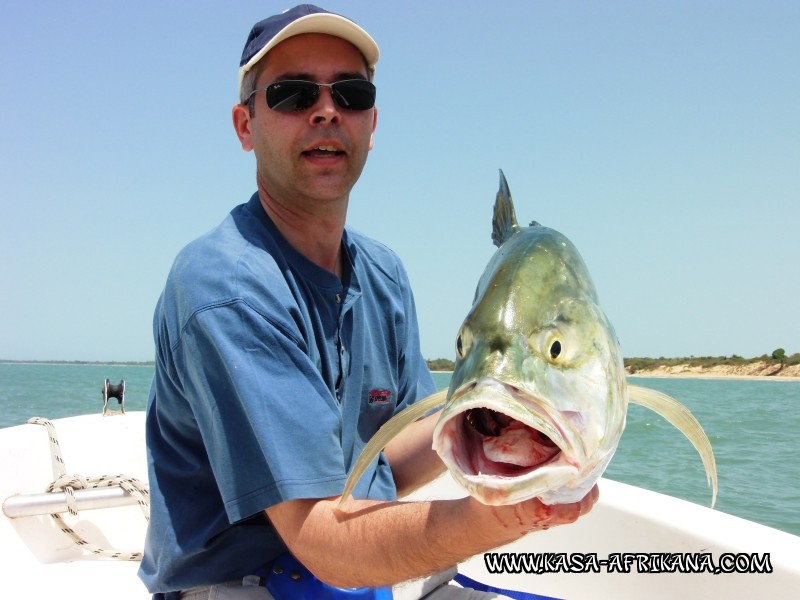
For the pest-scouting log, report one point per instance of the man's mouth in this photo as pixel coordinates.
(324, 151)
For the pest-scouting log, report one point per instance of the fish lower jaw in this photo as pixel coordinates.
(560, 481)
(540, 482)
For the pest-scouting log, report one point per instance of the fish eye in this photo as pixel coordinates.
(463, 342)
(551, 345)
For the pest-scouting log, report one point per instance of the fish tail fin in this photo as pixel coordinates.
(504, 223)
(682, 418)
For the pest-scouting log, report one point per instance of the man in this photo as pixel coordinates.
(283, 341)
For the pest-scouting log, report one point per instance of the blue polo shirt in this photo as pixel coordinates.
(271, 375)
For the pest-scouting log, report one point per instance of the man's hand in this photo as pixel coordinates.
(533, 515)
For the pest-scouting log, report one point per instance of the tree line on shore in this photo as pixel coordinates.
(639, 363)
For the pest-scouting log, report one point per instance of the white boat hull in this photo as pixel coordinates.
(40, 560)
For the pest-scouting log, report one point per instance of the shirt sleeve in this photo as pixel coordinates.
(268, 423)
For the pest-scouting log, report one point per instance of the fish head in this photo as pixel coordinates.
(538, 398)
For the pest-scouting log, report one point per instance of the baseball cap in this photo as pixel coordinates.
(304, 18)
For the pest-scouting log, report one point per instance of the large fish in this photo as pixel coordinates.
(537, 402)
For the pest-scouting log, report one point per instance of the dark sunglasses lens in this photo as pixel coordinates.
(291, 96)
(354, 94)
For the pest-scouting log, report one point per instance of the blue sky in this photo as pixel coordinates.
(663, 138)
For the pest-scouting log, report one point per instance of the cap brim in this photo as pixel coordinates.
(327, 23)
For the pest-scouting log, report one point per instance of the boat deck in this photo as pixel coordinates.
(627, 522)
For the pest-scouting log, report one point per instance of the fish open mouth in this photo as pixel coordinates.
(493, 443)
(505, 445)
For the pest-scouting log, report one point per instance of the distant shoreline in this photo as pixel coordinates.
(755, 370)
(700, 376)
(660, 375)
(99, 363)
(778, 365)
(653, 375)
(752, 371)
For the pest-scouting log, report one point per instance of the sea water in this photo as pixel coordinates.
(754, 428)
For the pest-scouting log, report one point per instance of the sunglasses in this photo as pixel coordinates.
(294, 95)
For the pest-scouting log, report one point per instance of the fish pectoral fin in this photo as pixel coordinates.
(386, 433)
(682, 418)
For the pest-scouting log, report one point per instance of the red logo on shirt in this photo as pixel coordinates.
(380, 397)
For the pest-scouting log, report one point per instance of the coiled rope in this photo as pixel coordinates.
(69, 483)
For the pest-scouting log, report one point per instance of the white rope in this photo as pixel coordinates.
(69, 483)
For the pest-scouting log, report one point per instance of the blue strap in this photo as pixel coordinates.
(288, 579)
(466, 582)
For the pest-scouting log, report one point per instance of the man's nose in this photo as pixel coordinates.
(325, 109)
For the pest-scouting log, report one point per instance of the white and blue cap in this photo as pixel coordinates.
(305, 18)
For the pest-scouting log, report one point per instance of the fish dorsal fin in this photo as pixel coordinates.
(504, 223)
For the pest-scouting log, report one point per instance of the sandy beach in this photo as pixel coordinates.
(754, 371)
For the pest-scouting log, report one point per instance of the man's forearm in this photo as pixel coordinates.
(369, 543)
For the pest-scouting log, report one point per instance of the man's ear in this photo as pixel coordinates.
(374, 125)
(241, 123)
